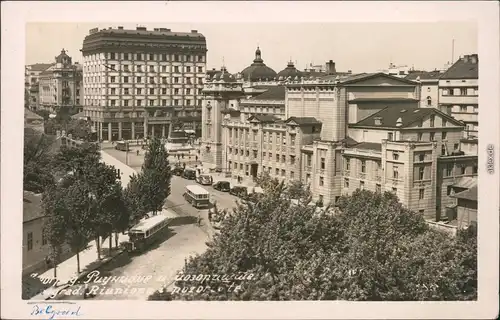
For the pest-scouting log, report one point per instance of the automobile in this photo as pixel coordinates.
(178, 171)
(223, 186)
(189, 174)
(239, 191)
(204, 179)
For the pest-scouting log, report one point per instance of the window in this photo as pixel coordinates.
(112, 56)
(113, 103)
(362, 185)
(283, 158)
(200, 58)
(395, 156)
(139, 90)
(394, 190)
(378, 188)
(419, 136)
(474, 169)
(463, 91)
(347, 164)
(188, 91)
(151, 69)
(277, 171)
(432, 136)
(277, 158)
(176, 102)
(308, 160)
(421, 157)
(188, 69)
(323, 164)
(139, 102)
(449, 170)
(176, 91)
(125, 103)
(429, 101)
(113, 91)
(346, 183)
(30, 241)
(463, 170)
(455, 146)
(163, 68)
(363, 166)
(163, 90)
(151, 80)
(421, 211)
(125, 56)
(390, 136)
(151, 91)
(395, 172)
(151, 56)
(44, 238)
(321, 181)
(433, 117)
(139, 56)
(138, 80)
(113, 79)
(283, 172)
(176, 79)
(200, 69)
(443, 136)
(444, 123)
(421, 173)
(176, 69)
(151, 102)
(125, 79)
(292, 175)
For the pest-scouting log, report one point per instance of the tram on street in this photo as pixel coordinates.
(145, 232)
(197, 196)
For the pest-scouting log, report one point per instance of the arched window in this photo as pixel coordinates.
(429, 101)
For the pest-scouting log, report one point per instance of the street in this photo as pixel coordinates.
(165, 258)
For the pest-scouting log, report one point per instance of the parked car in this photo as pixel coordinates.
(223, 186)
(189, 174)
(239, 191)
(178, 171)
(204, 180)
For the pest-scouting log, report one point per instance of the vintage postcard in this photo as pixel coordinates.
(257, 160)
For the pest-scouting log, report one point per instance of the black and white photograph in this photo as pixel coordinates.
(167, 160)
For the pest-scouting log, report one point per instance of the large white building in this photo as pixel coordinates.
(338, 133)
(141, 82)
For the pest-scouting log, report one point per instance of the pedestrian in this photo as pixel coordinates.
(137, 152)
(47, 261)
(199, 220)
(210, 215)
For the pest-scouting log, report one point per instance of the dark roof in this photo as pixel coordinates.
(390, 115)
(40, 66)
(30, 115)
(272, 93)
(221, 74)
(470, 194)
(466, 182)
(349, 142)
(32, 206)
(60, 58)
(303, 121)
(290, 71)
(464, 68)
(258, 71)
(365, 76)
(369, 146)
(424, 75)
(264, 118)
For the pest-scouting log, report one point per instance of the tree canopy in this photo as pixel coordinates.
(371, 248)
(38, 152)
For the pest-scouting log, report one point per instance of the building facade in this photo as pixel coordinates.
(429, 95)
(141, 83)
(459, 91)
(60, 86)
(31, 75)
(340, 133)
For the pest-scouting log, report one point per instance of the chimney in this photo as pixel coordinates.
(473, 58)
(120, 28)
(156, 29)
(194, 31)
(141, 29)
(330, 67)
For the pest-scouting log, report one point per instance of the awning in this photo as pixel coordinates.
(465, 182)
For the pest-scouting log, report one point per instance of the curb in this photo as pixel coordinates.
(83, 274)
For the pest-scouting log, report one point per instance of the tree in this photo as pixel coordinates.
(77, 159)
(373, 249)
(154, 180)
(38, 152)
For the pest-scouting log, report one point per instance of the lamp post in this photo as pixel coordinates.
(126, 153)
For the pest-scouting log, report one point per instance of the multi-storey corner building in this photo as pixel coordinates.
(458, 93)
(340, 133)
(141, 82)
(60, 86)
(429, 95)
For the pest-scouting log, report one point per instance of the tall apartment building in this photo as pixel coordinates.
(458, 93)
(141, 82)
(338, 134)
(60, 86)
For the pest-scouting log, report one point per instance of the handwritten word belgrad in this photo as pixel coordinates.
(52, 313)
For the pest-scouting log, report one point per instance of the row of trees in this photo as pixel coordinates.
(83, 198)
(369, 248)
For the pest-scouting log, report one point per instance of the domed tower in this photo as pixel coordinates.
(258, 71)
(290, 71)
(222, 91)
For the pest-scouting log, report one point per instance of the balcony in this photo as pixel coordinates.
(362, 175)
(255, 145)
(395, 182)
(378, 178)
(308, 168)
(291, 149)
(470, 100)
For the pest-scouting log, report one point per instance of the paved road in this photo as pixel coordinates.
(163, 259)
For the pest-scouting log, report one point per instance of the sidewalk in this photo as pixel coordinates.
(67, 270)
(218, 176)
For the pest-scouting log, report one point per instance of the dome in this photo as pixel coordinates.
(223, 75)
(63, 58)
(258, 71)
(289, 71)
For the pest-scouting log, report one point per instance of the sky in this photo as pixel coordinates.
(360, 47)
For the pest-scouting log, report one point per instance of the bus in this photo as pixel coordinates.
(122, 146)
(145, 232)
(197, 196)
